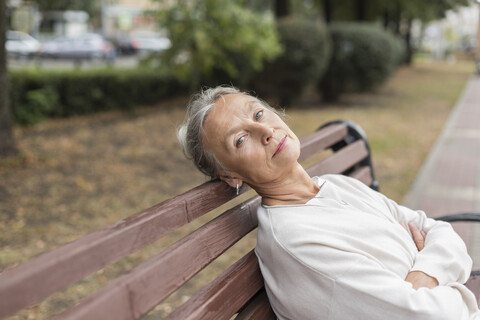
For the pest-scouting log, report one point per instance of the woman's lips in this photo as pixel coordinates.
(280, 146)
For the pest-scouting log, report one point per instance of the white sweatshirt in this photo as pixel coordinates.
(345, 255)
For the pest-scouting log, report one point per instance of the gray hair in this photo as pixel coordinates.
(191, 133)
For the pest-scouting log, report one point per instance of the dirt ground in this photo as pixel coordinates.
(78, 175)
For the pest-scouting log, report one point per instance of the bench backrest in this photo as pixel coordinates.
(239, 289)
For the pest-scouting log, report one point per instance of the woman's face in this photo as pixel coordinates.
(252, 142)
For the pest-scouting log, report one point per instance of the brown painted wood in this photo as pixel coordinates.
(154, 280)
(53, 271)
(37, 279)
(363, 174)
(322, 139)
(340, 160)
(257, 309)
(224, 296)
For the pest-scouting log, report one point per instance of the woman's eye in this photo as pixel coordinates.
(240, 141)
(258, 115)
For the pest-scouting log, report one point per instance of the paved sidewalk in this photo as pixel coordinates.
(449, 181)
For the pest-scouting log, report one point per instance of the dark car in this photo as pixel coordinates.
(124, 44)
(142, 42)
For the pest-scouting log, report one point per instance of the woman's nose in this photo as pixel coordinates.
(266, 134)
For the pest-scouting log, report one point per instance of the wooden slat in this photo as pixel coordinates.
(225, 295)
(35, 280)
(473, 284)
(133, 295)
(363, 174)
(257, 309)
(322, 139)
(340, 160)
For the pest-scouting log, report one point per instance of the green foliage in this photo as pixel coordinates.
(38, 104)
(306, 52)
(363, 57)
(37, 94)
(215, 41)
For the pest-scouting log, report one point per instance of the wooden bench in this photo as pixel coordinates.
(237, 291)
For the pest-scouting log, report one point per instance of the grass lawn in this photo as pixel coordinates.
(81, 174)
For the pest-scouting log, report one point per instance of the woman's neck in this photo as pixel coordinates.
(295, 188)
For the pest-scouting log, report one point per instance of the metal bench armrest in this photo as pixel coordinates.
(457, 217)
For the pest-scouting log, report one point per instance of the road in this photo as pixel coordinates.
(122, 62)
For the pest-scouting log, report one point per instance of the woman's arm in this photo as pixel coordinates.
(379, 294)
(444, 255)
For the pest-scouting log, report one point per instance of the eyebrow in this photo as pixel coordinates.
(248, 104)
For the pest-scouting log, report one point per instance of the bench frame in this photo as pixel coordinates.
(238, 290)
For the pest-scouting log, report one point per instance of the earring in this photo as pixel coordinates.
(237, 189)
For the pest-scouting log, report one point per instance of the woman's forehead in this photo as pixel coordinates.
(236, 101)
(222, 119)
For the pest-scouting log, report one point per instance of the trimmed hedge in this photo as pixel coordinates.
(304, 60)
(36, 94)
(363, 57)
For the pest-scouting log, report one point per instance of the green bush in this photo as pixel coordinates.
(38, 104)
(306, 52)
(36, 94)
(363, 57)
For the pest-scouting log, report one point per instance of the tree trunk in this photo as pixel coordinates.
(408, 42)
(282, 8)
(327, 10)
(361, 6)
(386, 19)
(396, 20)
(7, 141)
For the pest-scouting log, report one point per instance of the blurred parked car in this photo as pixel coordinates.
(86, 46)
(124, 44)
(20, 44)
(148, 41)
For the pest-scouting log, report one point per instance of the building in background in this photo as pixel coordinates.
(69, 23)
(118, 17)
(123, 17)
(455, 35)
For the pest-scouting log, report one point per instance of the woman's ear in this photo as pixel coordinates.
(231, 181)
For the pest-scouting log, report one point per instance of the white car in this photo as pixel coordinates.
(147, 41)
(20, 44)
(85, 46)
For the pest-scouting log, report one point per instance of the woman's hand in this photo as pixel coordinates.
(419, 279)
(418, 235)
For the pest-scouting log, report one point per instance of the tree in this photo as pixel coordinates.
(7, 141)
(216, 40)
(92, 7)
(403, 12)
(395, 15)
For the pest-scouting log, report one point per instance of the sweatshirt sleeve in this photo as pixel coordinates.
(323, 282)
(369, 291)
(444, 256)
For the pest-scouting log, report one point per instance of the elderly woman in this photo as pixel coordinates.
(329, 247)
